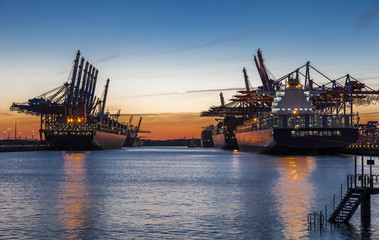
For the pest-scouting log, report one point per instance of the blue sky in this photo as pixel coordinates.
(162, 46)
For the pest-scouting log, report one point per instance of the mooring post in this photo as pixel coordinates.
(366, 207)
(362, 171)
(314, 219)
(371, 180)
(334, 200)
(349, 182)
(355, 171)
(321, 219)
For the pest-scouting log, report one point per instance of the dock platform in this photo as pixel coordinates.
(18, 145)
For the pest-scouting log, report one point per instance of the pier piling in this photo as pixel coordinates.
(366, 207)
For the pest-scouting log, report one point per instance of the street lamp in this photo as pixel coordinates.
(19, 135)
(9, 133)
(4, 133)
(32, 134)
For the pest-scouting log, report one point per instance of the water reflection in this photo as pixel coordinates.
(294, 193)
(235, 167)
(73, 203)
(235, 193)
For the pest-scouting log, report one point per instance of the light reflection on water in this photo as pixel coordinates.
(73, 202)
(294, 193)
(169, 193)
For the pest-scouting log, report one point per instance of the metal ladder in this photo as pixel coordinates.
(347, 206)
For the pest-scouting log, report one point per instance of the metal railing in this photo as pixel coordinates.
(317, 219)
(356, 181)
(353, 181)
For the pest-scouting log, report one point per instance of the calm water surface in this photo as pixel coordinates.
(171, 193)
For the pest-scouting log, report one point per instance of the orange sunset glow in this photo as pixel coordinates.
(172, 125)
(161, 125)
(189, 119)
(170, 81)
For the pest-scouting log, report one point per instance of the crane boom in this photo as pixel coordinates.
(139, 124)
(222, 99)
(246, 79)
(130, 120)
(105, 97)
(72, 85)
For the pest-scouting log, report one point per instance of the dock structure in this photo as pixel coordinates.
(73, 118)
(368, 142)
(17, 145)
(326, 103)
(357, 192)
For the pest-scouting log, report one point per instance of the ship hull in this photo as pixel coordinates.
(254, 141)
(96, 140)
(207, 139)
(222, 141)
(132, 142)
(297, 141)
(129, 142)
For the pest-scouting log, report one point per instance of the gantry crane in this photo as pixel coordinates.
(73, 102)
(328, 96)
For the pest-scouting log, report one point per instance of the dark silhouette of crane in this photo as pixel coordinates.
(73, 102)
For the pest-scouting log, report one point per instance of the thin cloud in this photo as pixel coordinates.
(63, 72)
(157, 94)
(366, 18)
(105, 59)
(4, 113)
(369, 114)
(164, 114)
(215, 90)
(190, 92)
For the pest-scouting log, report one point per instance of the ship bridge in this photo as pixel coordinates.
(293, 99)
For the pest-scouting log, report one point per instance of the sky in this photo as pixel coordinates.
(168, 60)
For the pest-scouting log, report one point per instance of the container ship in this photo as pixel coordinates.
(72, 117)
(206, 137)
(223, 135)
(293, 127)
(292, 114)
(132, 138)
(229, 116)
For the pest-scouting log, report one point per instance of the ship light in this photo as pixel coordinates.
(294, 112)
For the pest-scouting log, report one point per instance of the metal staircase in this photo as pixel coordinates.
(347, 206)
(345, 202)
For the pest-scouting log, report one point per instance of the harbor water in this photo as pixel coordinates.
(172, 193)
